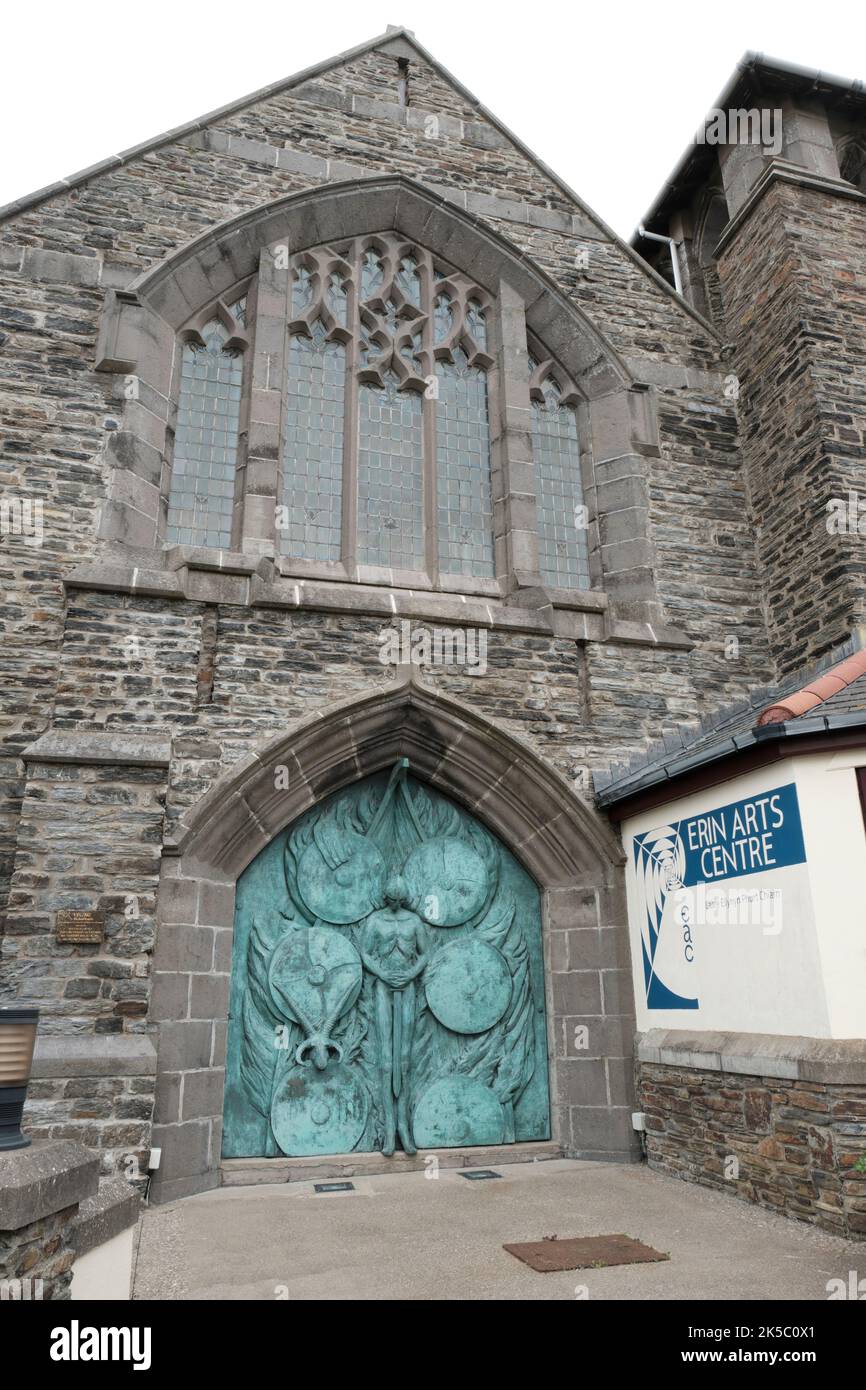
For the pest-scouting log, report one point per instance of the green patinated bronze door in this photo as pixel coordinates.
(387, 983)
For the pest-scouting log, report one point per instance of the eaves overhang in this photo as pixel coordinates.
(719, 762)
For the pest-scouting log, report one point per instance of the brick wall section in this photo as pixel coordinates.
(795, 1142)
(594, 1024)
(793, 281)
(110, 1115)
(42, 1187)
(128, 662)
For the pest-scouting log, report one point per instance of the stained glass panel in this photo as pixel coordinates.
(302, 291)
(338, 299)
(443, 318)
(409, 280)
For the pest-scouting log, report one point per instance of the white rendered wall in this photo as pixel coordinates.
(833, 826)
(801, 970)
(105, 1273)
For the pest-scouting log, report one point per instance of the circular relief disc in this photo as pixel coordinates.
(457, 1110)
(344, 892)
(447, 881)
(316, 968)
(319, 1112)
(468, 985)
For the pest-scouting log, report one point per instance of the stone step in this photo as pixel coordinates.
(246, 1172)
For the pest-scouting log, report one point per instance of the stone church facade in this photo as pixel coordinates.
(344, 362)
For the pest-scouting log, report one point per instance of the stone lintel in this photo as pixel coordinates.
(828, 1061)
(82, 746)
(46, 1177)
(109, 1054)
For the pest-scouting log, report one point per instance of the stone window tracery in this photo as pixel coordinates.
(387, 390)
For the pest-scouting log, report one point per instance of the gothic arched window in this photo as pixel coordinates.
(366, 438)
(204, 467)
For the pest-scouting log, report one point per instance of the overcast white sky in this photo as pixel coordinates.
(609, 94)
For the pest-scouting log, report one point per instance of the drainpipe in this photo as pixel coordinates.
(675, 262)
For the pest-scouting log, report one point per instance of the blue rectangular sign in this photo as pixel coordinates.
(752, 836)
(745, 837)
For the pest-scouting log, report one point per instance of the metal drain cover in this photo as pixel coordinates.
(583, 1252)
(334, 1186)
(480, 1174)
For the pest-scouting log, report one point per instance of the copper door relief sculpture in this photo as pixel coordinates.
(387, 986)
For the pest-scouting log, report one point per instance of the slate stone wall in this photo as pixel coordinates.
(36, 1260)
(41, 1191)
(787, 1145)
(792, 279)
(213, 675)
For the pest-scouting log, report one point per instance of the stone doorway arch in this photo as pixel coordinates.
(563, 844)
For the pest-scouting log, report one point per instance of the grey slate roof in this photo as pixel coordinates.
(734, 728)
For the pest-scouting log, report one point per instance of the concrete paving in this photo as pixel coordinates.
(406, 1236)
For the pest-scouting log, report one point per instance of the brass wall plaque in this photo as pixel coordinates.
(80, 928)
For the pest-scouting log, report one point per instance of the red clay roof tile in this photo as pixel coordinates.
(817, 691)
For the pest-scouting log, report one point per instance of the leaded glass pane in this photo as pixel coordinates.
(338, 299)
(476, 323)
(239, 310)
(302, 291)
(464, 505)
(202, 492)
(562, 537)
(313, 448)
(409, 280)
(443, 318)
(372, 275)
(390, 477)
(412, 352)
(390, 317)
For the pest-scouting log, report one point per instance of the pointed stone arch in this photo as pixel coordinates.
(205, 269)
(493, 774)
(567, 848)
